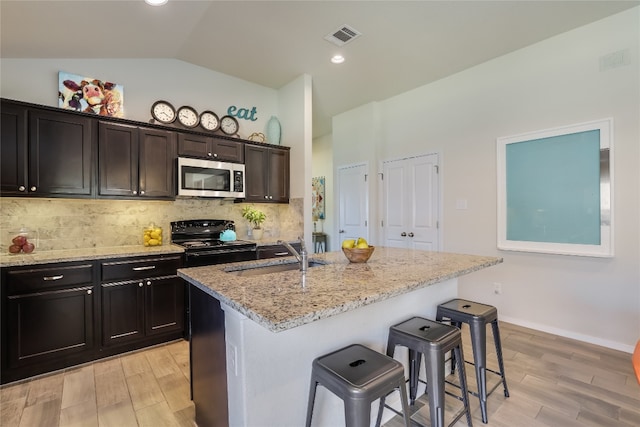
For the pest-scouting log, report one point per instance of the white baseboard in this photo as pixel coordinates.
(569, 334)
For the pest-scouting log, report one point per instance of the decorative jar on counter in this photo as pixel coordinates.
(23, 241)
(152, 235)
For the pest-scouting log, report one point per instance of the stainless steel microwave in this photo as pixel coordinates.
(208, 178)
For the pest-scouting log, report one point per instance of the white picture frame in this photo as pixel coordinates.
(555, 190)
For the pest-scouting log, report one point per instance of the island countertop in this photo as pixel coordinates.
(285, 300)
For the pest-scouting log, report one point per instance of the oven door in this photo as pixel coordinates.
(211, 257)
(206, 178)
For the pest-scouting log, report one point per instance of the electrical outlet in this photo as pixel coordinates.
(497, 288)
(233, 359)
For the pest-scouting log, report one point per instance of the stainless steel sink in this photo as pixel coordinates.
(274, 268)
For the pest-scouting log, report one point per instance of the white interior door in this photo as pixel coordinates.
(353, 199)
(411, 203)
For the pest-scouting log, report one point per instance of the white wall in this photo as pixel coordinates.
(295, 110)
(554, 82)
(145, 81)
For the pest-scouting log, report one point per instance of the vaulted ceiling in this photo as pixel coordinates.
(404, 44)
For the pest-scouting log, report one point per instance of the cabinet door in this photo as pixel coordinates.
(194, 145)
(50, 325)
(117, 160)
(60, 147)
(256, 173)
(278, 189)
(229, 151)
(122, 312)
(13, 150)
(164, 305)
(157, 164)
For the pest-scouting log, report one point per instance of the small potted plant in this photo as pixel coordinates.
(255, 217)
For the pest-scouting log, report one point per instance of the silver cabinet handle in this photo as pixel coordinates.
(281, 253)
(410, 234)
(215, 155)
(58, 277)
(89, 292)
(140, 284)
(266, 197)
(33, 188)
(142, 192)
(146, 267)
(135, 192)
(22, 188)
(403, 234)
(210, 154)
(148, 282)
(270, 197)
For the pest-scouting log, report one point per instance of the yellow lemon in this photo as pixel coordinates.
(361, 240)
(153, 242)
(348, 243)
(362, 245)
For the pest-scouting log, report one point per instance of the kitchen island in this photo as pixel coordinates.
(269, 327)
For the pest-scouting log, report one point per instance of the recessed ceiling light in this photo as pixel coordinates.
(156, 2)
(337, 59)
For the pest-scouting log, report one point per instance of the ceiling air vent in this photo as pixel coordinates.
(342, 35)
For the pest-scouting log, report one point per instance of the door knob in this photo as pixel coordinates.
(341, 231)
(403, 234)
(410, 234)
(33, 188)
(21, 188)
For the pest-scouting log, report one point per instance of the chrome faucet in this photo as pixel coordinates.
(302, 257)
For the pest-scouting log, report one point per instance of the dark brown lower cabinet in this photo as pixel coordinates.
(138, 309)
(208, 365)
(58, 315)
(49, 319)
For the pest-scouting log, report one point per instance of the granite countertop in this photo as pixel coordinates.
(85, 254)
(285, 300)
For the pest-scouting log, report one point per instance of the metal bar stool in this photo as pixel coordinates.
(358, 375)
(433, 340)
(477, 316)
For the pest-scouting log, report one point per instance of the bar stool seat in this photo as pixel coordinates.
(433, 340)
(477, 316)
(358, 376)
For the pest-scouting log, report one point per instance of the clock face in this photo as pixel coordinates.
(229, 125)
(163, 112)
(209, 121)
(188, 117)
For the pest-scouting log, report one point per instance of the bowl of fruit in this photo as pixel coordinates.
(357, 250)
(22, 241)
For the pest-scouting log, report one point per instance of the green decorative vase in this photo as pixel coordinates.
(273, 131)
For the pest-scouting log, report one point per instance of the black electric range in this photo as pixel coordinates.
(201, 240)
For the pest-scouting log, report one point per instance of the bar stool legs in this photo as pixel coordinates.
(358, 375)
(477, 316)
(433, 340)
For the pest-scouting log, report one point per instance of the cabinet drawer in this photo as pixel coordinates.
(39, 279)
(140, 269)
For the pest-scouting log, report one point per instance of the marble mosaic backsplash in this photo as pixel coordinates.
(81, 223)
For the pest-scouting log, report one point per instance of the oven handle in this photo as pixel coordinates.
(220, 252)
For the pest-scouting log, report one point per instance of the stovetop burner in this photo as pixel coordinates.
(204, 234)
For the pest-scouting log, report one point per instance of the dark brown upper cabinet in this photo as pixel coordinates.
(45, 153)
(136, 162)
(211, 148)
(267, 174)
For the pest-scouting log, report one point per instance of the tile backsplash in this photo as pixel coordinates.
(83, 223)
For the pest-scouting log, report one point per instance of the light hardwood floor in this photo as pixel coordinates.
(553, 382)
